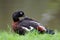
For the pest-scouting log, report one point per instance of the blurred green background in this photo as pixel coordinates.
(47, 12)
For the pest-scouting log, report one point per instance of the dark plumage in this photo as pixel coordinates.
(16, 15)
(26, 24)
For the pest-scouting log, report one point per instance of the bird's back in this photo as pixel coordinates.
(25, 22)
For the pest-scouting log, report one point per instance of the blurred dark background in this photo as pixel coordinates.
(47, 12)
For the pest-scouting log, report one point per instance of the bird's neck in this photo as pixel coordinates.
(15, 19)
(15, 22)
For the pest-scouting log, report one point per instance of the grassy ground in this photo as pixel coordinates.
(29, 36)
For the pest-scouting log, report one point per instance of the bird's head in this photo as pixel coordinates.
(17, 14)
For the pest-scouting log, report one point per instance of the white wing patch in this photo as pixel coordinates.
(31, 28)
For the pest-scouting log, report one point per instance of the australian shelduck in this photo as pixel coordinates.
(20, 26)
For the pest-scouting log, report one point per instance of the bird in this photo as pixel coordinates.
(21, 26)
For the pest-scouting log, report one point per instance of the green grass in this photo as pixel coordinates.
(29, 36)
